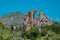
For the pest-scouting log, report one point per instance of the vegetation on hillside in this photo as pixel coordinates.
(47, 33)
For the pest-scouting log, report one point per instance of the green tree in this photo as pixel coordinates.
(31, 34)
(55, 28)
(4, 32)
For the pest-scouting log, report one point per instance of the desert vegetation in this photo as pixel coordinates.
(51, 32)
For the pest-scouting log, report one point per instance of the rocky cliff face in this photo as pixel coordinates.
(15, 19)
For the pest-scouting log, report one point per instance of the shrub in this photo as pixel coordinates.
(54, 28)
(31, 34)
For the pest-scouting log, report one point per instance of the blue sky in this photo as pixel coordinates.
(50, 8)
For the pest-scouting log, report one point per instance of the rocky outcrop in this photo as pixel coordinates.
(25, 21)
(13, 19)
(30, 21)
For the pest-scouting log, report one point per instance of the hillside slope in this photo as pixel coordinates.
(15, 19)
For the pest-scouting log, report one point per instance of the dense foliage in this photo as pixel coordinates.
(6, 34)
(31, 34)
(51, 32)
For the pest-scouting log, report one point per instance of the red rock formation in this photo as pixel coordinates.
(29, 20)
